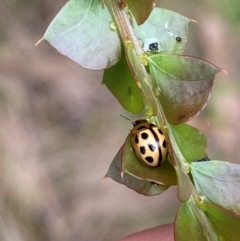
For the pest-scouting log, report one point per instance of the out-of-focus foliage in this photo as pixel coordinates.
(230, 9)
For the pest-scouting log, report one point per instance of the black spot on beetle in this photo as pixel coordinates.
(144, 135)
(142, 150)
(160, 131)
(164, 144)
(136, 139)
(149, 159)
(152, 147)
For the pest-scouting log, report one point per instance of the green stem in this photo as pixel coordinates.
(194, 203)
(133, 46)
(135, 56)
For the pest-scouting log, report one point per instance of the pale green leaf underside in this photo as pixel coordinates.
(155, 27)
(81, 31)
(219, 182)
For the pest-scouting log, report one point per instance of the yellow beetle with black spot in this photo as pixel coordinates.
(149, 143)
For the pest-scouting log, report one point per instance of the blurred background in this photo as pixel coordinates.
(60, 128)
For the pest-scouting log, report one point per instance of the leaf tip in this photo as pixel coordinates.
(105, 176)
(39, 41)
(223, 71)
(193, 21)
(122, 173)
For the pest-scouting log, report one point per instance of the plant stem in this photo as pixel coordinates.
(201, 217)
(135, 56)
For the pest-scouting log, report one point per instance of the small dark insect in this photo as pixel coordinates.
(177, 38)
(205, 159)
(153, 46)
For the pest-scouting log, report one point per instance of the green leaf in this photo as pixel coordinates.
(190, 141)
(219, 182)
(140, 9)
(187, 226)
(182, 84)
(188, 144)
(165, 174)
(120, 81)
(226, 223)
(81, 31)
(141, 186)
(165, 26)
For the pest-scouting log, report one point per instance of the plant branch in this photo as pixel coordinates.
(135, 56)
(202, 218)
